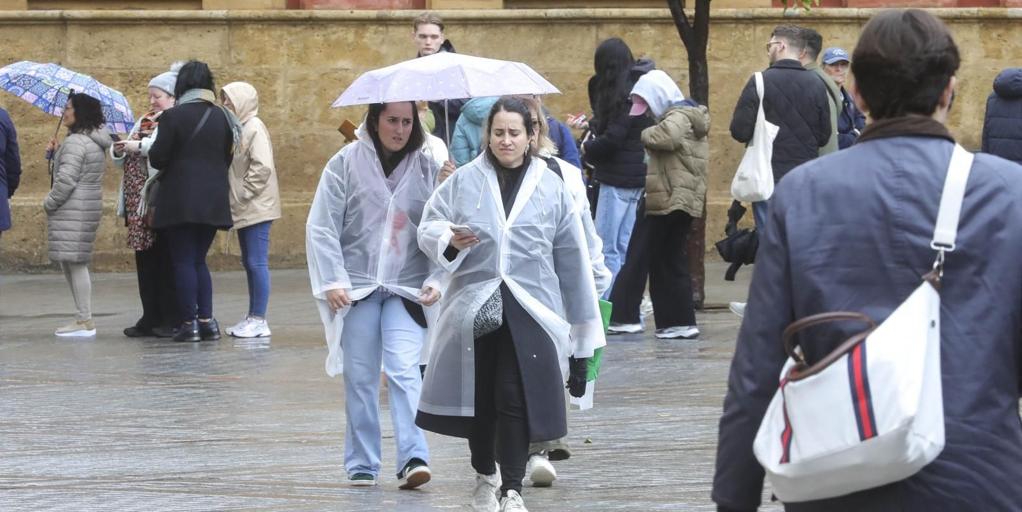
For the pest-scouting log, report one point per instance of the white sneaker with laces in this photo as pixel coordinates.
(737, 308)
(484, 499)
(252, 328)
(624, 328)
(540, 470)
(512, 502)
(230, 330)
(688, 332)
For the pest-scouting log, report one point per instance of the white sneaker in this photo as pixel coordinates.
(77, 328)
(484, 499)
(251, 328)
(230, 330)
(737, 308)
(540, 470)
(512, 502)
(688, 332)
(624, 328)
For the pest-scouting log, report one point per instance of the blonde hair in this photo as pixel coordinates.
(428, 18)
(544, 145)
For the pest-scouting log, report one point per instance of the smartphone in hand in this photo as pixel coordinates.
(461, 230)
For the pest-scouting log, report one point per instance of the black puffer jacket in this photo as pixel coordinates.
(616, 152)
(1002, 126)
(797, 101)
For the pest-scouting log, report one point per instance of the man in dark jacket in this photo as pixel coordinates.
(851, 231)
(10, 168)
(1002, 126)
(794, 99)
(428, 36)
(851, 120)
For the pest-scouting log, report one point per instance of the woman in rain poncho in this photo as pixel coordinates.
(371, 282)
(521, 301)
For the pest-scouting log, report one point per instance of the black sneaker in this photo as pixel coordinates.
(414, 474)
(188, 332)
(209, 331)
(137, 331)
(362, 479)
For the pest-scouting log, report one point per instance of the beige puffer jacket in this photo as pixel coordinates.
(74, 205)
(255, 197)
(678, 150)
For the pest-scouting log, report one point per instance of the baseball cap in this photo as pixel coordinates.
(832, 55)
(639, 106)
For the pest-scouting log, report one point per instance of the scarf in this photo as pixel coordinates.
(208, 96)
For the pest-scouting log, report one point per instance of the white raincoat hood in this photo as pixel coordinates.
(244, 98)
(659, 91)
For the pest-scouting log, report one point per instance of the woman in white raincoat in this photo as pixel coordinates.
(521, 300)
(371, 281)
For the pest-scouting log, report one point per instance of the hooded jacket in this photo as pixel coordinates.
(466, 139)
(616, 151)
(1002, 126)
(677, 145)
(74, 204)
(255, 196)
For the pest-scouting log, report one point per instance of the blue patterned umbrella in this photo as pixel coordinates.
(47, 86)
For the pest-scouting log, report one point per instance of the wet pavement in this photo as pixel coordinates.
(120, 424)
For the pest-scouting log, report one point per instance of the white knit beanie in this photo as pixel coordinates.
(167, 80)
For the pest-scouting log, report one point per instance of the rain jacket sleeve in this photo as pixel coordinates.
(758, 358)
(260, 167)
(570, 248)
(435, 230)
(323, 231)
(573, 180)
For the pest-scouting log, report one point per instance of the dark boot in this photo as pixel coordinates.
(209, 331)
(188, 332)
(139, 330)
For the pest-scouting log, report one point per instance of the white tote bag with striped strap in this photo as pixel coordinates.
(871, 412)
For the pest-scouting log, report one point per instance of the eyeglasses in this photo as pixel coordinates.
(771, 43)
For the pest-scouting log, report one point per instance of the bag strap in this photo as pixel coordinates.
(951, 200)
(759, 90)
(202, 122)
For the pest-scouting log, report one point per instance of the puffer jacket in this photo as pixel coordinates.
(1002, 125)
(616, 151)
(466, 139)
(677, 146)
(74, 205)
(678, 150)
(255, 195)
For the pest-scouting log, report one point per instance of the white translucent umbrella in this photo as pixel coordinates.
(444, 76)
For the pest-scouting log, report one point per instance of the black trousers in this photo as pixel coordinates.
(500, 430)
(630, 284)
(670, 283)
(156, 285)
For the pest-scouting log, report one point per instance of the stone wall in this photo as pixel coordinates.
(301, 60)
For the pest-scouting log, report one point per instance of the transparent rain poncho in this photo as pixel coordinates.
(361, 232)
(539, 251)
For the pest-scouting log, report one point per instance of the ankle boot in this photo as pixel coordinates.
(188, 332)
(209, 331)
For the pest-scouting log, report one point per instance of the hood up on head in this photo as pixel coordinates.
(659, 91)
(245, 100)
(1008, 83)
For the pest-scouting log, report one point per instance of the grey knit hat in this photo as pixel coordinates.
(167, 80)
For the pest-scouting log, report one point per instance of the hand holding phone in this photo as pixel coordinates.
(463, 237)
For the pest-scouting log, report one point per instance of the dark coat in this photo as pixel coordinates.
(797, 101)
(850, 122)
(10, 167)
(194, 187)
(1002, 126)
(616, 152)
(851, 231)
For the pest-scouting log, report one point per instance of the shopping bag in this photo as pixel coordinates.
(754, 179)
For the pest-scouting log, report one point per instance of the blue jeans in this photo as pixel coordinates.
(379, 329)
(255, 256)
(760, 214)
(615, 216)
(188, 245)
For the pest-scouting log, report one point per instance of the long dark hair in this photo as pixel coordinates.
(88, 113)
(415, 140)
(903, 62)
(193, 74)
(612, 63)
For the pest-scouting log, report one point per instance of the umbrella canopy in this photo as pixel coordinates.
(444, 76)
(47, 86)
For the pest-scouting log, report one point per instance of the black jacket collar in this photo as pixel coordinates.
(788, 64)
